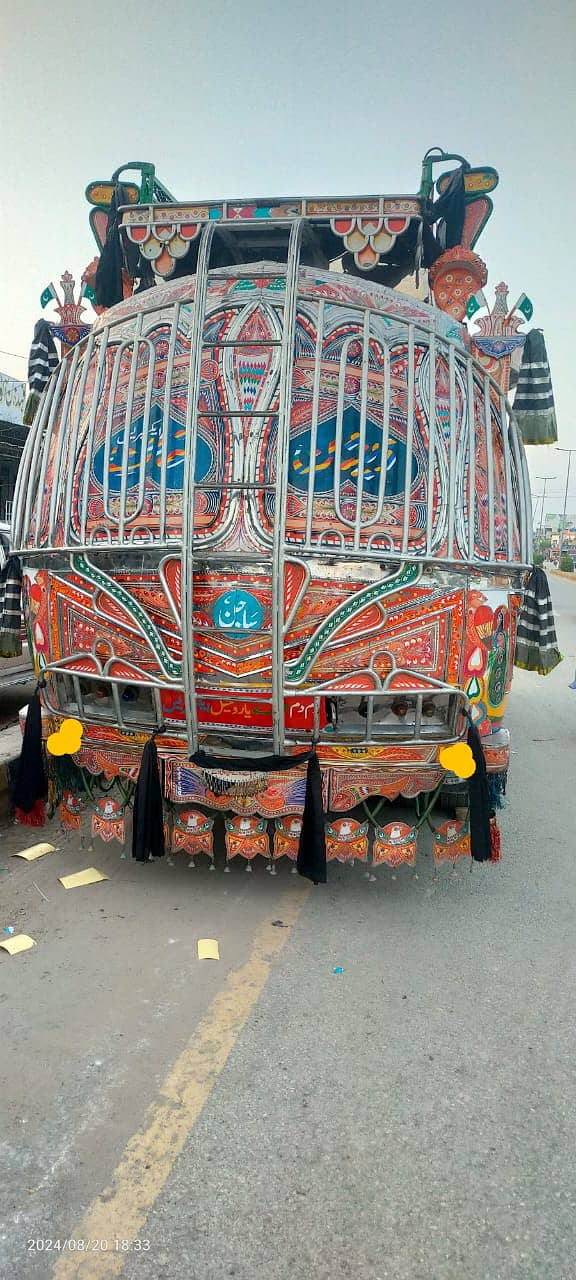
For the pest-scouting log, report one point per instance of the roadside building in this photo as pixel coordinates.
(13, 435)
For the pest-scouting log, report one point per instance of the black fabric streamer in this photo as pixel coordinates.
(534, 409)
(148, 816)
(108, 282)
(10, 608)
(449, 212)
(311, 861)
(249, 764)
(43, 358)
(31, 782)
(480, 841)
(536, 642)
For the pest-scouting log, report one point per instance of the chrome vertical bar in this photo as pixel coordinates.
(385, 433)
(489, 465)
(127, 429)
(431, 438)
(30, 480)
(62, 440)
(117, 705)
(145, 430)
(279, 532)
(528, 501)
(166, 420)
(157, 705)
(108, 432)
(314, 426)
(78, 695)
(16, 532)
(46, 451)
(510, 510)
(516, 449)
(90, 436)
(452, 454)
(339, 427)
(191, 430)
(71, 453)
(418, 716)
(471, 461)
(384, 445)
(409, 438)
(369, 717)
(362, 437)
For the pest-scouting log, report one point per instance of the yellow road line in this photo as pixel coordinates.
(120, 1212)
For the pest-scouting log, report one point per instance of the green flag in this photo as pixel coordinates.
(48, 293)
(475, 303)
(88, 292)
(525, 306)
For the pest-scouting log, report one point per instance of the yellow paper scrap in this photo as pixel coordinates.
(89, 876)
(35, 851)
(21, 942)
(208, 949)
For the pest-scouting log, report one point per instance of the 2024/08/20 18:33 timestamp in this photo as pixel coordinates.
(87, 1246)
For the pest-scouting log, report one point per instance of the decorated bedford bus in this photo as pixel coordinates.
(276, 501)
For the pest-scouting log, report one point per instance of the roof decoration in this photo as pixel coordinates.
(71, 328)
(387, 237)
(498, 344)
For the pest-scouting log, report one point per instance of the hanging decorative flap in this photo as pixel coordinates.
(190, 832)
(247, 837)
(287, 836)
(108, 820)
(70, 809)
(347, 840)
(452, 841)
(394, 844)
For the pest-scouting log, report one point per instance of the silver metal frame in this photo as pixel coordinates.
(41, 521)
(455, 699)
(278, 555)
(188, 532)
(470, 375)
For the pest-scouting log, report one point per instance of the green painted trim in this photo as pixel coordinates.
(377, 591)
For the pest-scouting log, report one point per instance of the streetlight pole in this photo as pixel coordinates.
(545, 479)
(569, 452)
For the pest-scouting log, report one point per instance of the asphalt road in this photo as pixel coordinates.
(265, 1118)
(12, 698)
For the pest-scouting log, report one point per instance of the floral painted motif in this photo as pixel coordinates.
(164, 244)
(368, 238)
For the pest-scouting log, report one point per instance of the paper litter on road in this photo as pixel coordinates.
(89, 876)
(208, 949)
(21, 942)
(35, 851)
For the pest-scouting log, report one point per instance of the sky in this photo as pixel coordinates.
(304, 97)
